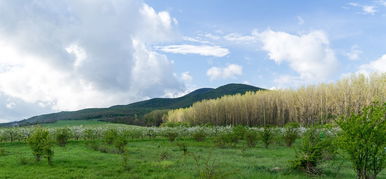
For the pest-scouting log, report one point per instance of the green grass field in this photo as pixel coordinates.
(160, 158)
(71, 123)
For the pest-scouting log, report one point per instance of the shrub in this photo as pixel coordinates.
(239, 131)
(199, 135)
(267, 136)
(109, 136)
(363, 137)
(171, 135)
(90, 135)
(23, 160)
(291, 133)
(175, 124)
(2, 152)
(164, 155)
(208, 167)
(250, 137)
(62, 136)
(41, 144)
(311, 151)
(120, 142)
(125, 161)
(225, 139)
(183, 147)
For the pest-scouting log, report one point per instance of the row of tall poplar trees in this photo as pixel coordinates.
(317, 104)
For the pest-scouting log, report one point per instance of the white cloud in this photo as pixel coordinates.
(308, 54)
(378, 66)
(10, 105)
(204, 50)
(381, 2)
(230, 71)
(366, 9)
(66, 55)
(235, 37)
(186, 76)
(354, 53)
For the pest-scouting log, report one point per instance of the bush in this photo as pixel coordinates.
(199, 135)
(23, 160)
(62, 136)
(225, 139)
(175, 124)
(171, 135)
(183, 147)
(239, 131)
(363, 137)
(90, 135)
(41, 144)
(291, 133)
(250, 137)
(109, 136)
(267, 136)
(2, 152)
(120, 142)
(314, 146)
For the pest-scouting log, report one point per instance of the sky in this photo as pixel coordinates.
(67, 55)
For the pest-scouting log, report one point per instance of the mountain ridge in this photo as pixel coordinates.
(132, 113)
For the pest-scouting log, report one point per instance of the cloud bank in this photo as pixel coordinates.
(66, 55)
(228, 72)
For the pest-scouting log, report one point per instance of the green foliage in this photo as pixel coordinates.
(41, 144)
(208, 168)
(314, 146)
(290, 133)
(175, 124)
(109, 136)
(90, 135)
(199, 135)
(363, 137)
(120, 142)
(239, 131)
(251, 138)
(171, 135)
(183, 147)
(155, 118)
(62, 136)
(226, 139)
(23, 160)
(2, 152)
(267, 136)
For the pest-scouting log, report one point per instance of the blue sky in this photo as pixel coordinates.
(74, 54)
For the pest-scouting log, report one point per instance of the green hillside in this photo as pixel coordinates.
(133, 113)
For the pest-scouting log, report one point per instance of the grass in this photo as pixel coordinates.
(88, 123)
(159, 158)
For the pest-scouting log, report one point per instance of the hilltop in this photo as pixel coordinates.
(133, 113)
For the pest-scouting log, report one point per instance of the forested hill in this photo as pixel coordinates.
(132, 113)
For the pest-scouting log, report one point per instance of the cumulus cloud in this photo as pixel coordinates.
(204, 50)
(377, 66)
(186, 76)
(66, 55)
(308, 54)
(354, 53)
(366, 9)
(230, 71)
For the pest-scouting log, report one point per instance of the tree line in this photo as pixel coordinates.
(315, 104)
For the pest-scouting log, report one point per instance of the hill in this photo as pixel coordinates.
(133, 113)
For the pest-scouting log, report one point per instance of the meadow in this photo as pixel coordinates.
(163, 152)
